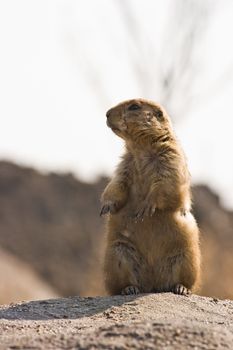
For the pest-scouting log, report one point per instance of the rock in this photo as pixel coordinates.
(51, 222)
(20, 281)
(146, 321)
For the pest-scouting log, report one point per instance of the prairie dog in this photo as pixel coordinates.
(152, 237)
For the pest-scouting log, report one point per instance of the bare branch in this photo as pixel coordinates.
(172, 72)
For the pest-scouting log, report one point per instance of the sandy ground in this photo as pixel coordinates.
(153, 321)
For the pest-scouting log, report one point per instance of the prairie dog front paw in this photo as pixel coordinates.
(109, 207)
(147, 209)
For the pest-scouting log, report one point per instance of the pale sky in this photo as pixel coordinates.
(63, 63)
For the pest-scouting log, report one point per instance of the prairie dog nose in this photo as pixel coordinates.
(108, 113)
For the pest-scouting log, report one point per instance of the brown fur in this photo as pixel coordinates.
(152, 238)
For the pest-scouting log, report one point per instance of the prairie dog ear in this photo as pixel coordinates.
(158, 113)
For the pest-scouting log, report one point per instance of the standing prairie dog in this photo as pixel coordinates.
(152, 238)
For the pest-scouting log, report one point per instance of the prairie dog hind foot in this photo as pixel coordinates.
(181, 290)
(130, 290)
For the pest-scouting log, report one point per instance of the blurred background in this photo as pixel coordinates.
(63, 63)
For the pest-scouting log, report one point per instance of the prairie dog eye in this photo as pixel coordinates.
(134, 107)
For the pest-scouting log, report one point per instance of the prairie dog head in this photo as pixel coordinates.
(138, 117)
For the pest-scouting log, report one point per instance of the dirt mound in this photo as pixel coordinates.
(161, 321)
